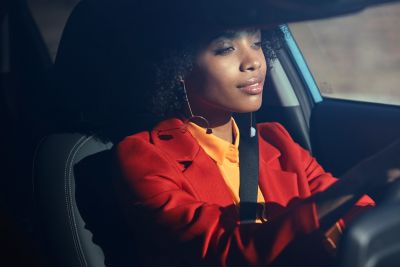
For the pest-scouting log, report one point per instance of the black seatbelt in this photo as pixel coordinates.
(248, 160)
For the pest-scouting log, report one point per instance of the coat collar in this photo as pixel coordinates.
(173, 137)
(175, 140)
(269, 152)
(218, 149)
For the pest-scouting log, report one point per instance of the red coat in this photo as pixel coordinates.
(189, 209)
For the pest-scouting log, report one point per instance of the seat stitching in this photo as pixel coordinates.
(69, 196)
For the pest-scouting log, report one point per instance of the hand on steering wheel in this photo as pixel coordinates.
(381, 170)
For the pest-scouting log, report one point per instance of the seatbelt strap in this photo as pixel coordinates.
(248, 160)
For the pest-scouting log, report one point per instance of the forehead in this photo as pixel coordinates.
(232, 34)
(207, 39)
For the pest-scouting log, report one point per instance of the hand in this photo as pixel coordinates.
(382, 169)
(372, 176)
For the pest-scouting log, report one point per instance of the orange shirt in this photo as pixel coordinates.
(225, 155)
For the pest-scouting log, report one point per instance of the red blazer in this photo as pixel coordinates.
(189, 209)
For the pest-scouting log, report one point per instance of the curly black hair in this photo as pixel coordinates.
(168, 95)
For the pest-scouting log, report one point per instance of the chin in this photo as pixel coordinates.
(250, 106)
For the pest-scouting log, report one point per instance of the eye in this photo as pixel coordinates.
(223, 50)
(257, 45)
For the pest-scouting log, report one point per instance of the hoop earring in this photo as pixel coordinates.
(192, 116)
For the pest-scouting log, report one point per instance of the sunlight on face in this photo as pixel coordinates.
(229, 74)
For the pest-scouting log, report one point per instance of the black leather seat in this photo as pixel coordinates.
(79, 217)
(67, 237)
(78, 214)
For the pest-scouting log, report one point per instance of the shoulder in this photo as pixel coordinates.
(133, 149)
(274, 136)
(274, 132)
(167, 143)
(139, 160)
(154, 139)
(134, 144)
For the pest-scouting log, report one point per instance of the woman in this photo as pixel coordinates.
(180, 181)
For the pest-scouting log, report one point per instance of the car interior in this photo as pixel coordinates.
(57, 201)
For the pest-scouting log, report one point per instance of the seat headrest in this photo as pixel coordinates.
(100, 68)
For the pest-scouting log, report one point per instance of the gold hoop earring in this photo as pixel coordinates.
(192, 116)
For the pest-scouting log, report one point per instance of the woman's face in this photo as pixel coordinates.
(228, 74)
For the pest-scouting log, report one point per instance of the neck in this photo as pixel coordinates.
(224, 131)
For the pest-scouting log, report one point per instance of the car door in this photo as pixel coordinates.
(349, 68)
(339, 98)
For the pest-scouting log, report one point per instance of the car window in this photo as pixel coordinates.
(50, 16)
(354, 57)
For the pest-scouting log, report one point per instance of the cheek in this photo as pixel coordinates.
(264, 65)
(219, 77)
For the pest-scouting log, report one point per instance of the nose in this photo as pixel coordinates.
(250, 62)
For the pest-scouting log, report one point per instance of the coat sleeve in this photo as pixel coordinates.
(204, 233)
(319, 180)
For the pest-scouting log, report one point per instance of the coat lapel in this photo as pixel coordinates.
(173, 138)
(277, 185)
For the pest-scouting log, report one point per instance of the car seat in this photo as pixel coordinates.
(76, 205)
(77, 211)
(67, 238)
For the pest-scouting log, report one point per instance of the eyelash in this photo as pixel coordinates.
(226, 50)
(258, 44)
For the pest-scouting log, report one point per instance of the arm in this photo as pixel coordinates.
(370, 176)
(334, 198)
(337, 200)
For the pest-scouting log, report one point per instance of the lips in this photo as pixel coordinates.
(252, 86)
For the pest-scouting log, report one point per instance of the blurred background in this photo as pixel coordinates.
(355, 57)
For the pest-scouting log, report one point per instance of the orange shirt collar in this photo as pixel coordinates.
(217, 148)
